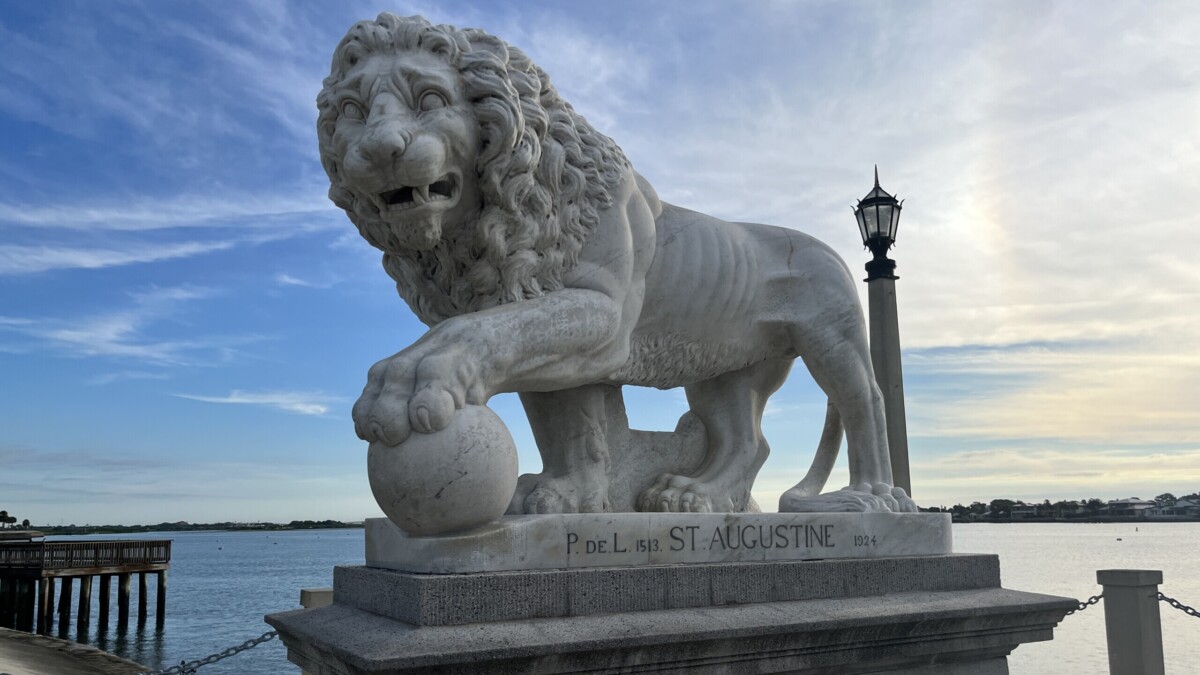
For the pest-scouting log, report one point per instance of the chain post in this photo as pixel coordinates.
(1131, 621)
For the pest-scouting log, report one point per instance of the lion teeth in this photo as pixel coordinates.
(421, 194)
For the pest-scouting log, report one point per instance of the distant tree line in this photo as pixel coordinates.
(183, 526)
(1001, 509)
(11, 521)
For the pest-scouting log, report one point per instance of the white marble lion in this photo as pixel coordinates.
(545, 265)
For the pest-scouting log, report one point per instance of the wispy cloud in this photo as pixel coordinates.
(189, 210)
(16, 259)
(62, 486)
(298, 402)
(125, 334)
(1032, 472)
(289, 280)
(109, 378)
(1134, 393)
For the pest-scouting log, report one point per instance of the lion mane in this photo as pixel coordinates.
(545, 173)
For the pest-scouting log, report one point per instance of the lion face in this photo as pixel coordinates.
(406, 139)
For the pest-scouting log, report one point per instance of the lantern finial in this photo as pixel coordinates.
(876, 175)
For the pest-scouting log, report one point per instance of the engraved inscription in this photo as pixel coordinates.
(728, 537)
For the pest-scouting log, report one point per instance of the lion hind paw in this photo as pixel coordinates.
(878, 498)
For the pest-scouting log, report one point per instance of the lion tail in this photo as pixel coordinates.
(827, 453)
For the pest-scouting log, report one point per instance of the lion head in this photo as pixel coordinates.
(454, 155)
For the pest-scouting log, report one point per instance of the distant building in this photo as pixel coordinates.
(1069, 509)
(1132, 507)
(1023, 511)
(1180, 508)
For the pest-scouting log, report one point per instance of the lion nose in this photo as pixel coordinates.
(385, 145)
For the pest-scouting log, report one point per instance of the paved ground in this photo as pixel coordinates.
(26, 654)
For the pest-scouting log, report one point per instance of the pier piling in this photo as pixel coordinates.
(141, 599)
(8, 602)
(64, 607)
(45, 604)
(24, 619)
(160, 600)
(105, 595)
(84, 618)
(122, 601)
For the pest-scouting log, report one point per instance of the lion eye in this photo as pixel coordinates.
(352, 111)
(431, 100)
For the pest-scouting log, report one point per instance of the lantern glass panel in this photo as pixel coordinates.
(895, 222)
(874, 222)
(861, 216)
(884, 227)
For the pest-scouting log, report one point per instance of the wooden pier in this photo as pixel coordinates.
(29, 572)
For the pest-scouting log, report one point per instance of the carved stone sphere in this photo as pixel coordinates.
(450, 480)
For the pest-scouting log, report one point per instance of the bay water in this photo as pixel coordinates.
(222, 583)
(1062, 559)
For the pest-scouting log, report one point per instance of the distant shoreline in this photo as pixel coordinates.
(60, 530)
(1128, 521)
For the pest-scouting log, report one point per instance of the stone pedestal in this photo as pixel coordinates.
(939, 613)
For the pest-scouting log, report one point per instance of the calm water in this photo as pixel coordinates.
(222, 583)
(1062, 559)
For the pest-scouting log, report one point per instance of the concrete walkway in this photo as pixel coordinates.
(28, 654)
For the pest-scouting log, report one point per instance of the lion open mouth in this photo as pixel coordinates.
(412, 196)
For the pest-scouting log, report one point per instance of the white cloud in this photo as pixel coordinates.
(62, 486)
(289, 280)
(1091, 395)
(1038, 473)
(109, 378)
(300, 403)
(126, 333)
(189, 210)
(16, 259)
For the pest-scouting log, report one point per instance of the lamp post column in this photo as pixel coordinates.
(878, 216)
(885, 359)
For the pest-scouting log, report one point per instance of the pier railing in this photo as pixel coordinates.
(54, 555)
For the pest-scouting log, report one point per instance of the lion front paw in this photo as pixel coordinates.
(879, 498)
(420, 389)
(673, 493)
(540, 493)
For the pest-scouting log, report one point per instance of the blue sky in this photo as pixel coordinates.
(185, 320)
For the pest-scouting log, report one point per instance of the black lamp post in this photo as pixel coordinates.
(878, 215)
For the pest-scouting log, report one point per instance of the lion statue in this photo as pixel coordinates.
(544, 264)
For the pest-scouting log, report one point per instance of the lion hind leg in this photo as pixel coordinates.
(838, 358)
(731, 407)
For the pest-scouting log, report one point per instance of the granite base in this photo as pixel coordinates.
(934, 614)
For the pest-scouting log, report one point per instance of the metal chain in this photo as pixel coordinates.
(188, 667)
(1179, 606)
(1085, 604)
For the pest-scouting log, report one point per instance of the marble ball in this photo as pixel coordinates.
(450, 480)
